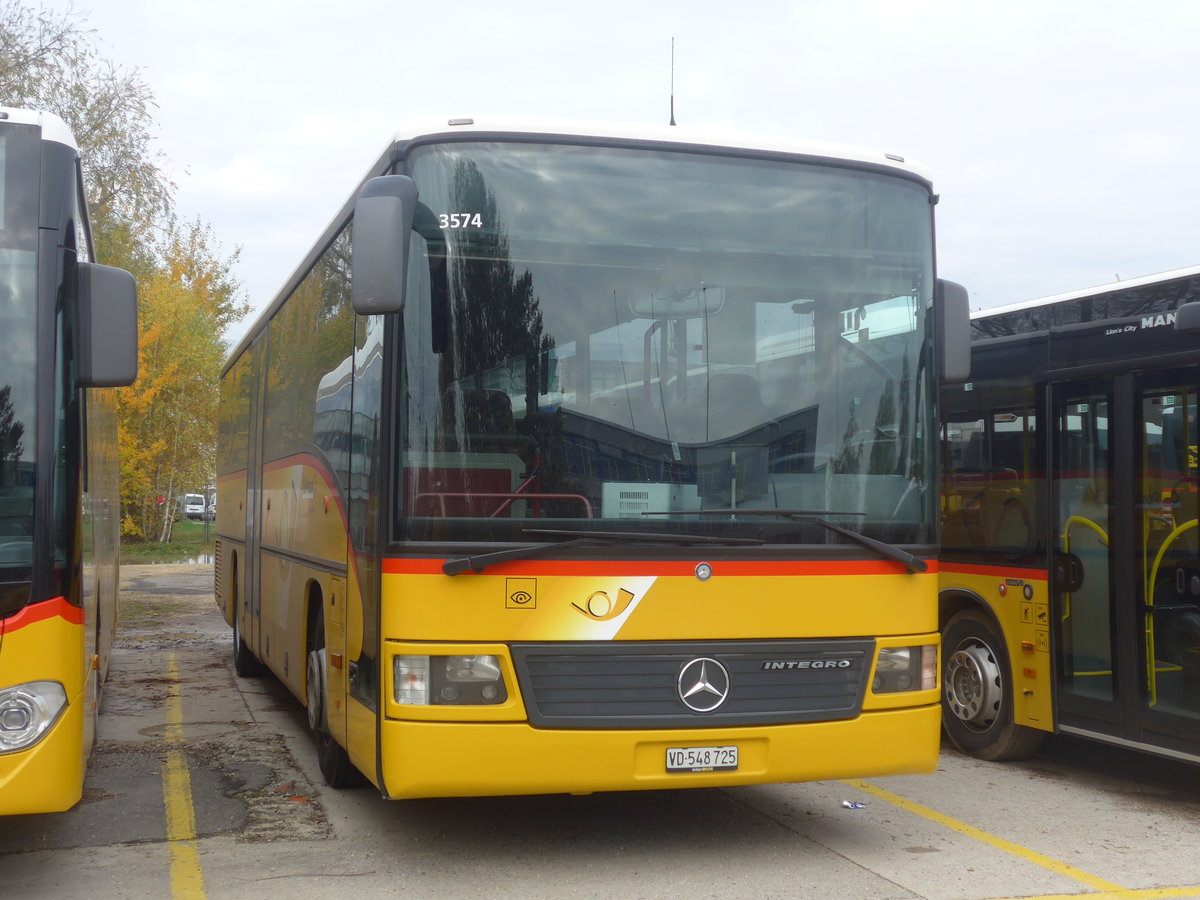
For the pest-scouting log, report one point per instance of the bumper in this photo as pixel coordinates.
(435, 759)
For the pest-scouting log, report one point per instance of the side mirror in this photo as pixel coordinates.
(1187, 318)
(108, 327)
(952, 312)
(383, 219)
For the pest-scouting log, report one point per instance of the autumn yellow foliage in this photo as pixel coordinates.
(167, 418)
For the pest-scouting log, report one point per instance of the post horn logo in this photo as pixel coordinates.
(603, 608)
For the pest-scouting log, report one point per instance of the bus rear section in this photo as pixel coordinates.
(602, 466)
(1070, 595)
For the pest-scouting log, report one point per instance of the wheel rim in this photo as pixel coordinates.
(974, 685)
(316, 691)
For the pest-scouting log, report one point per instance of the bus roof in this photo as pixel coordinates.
(53, 127)
(1111, 287)
(585, 131)
(706, 139)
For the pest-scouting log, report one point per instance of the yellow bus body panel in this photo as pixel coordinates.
(231, 506)
(449, 750)
(301, 511)
(648, 606)
(47, 777)
(1025, 622)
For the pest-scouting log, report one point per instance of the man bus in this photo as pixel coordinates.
(70, 331)
(1070, 567)
(579, 458)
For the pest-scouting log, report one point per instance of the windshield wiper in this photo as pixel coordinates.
(477, 563)
(906, 559)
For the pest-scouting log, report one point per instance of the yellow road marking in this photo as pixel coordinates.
(1046, 862)
(1178, 893)
(187, 879)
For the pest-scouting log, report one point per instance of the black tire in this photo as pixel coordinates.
(977, 701)
(332, 757)
(245, 663)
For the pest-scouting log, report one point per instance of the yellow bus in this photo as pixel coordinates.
(1070, 572)
(70, 331)
(583, 457)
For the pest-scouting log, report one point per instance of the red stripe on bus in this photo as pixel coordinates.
(998, 570)
(406, 566)
(303, 459)
(56, 607)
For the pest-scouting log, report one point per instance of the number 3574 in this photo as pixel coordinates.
(460, 220)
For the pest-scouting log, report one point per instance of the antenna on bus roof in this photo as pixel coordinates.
(672, 81)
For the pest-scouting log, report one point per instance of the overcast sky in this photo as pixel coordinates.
(1060, 134)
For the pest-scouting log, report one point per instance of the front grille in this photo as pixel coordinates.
(637, 685)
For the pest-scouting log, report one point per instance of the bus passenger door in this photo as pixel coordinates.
(1165, 482)
(1084, 537)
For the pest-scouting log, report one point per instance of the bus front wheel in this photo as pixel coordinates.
(335, 763)
(977, 702)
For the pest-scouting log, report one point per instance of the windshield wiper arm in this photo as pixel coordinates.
(477, 563)
(906, 559)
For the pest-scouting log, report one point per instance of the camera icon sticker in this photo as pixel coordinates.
(520, 593)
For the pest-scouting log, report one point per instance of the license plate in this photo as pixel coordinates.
(701, 759)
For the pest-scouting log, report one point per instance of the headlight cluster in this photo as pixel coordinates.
(27, 711)
(905, 669)
(448, 680)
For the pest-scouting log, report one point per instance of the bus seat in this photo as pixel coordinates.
(736, 399)
(1011, 524)
(972, 453)
(731, 404)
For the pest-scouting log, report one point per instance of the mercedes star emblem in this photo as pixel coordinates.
(703, 684)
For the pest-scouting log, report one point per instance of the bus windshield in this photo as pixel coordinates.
(19, 153)
(637, 336)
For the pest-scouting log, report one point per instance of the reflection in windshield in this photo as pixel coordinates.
(16, 490)
(597, 334)
(19, 148)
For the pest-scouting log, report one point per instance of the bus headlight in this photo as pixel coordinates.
(443, 680)
(905, 669)
(27, 711)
